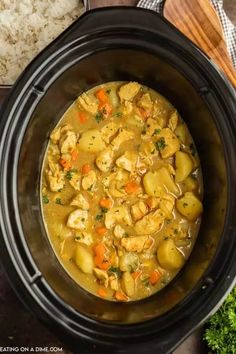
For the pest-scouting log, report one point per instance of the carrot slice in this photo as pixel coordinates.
(74, 155)
(65, 164)
(101, 95)
(136, 274)
(86, 168)
(145, 114)
(155, 276)
(100, 259)
(101, 230)
(106, 109)
(120, 296)
(131, 187)
(101, 263)
(105, 203)
(83, 117)
(102, 292)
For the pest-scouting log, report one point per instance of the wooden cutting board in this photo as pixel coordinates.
(198, 20)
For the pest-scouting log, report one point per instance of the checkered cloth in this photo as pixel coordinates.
(229, 28)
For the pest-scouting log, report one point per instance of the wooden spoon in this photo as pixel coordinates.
(198, 20)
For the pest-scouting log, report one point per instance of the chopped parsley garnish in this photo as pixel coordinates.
(98, 217)
(58, 201)
(108, 91)
(99, 117)
(118, 114)
(77, 238)
(115, 270)
(69, 174)
(161, 144)
(90, 188)
(45, 199)
(175, 231)
(185, 204)
(83, 219)
(104, 210)
(156, 131)
(143, 132)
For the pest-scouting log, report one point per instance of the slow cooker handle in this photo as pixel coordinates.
(121, 17)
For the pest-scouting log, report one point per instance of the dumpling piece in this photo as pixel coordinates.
(84, 258)
(169, 256)
(80, 201)
(128, 161)
(91, 141)
(189, 206)
(159, 182)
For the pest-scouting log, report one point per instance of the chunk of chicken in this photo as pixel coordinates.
(117, 182)
(56, 180)
(138, 210)
(102, 276)
(75, 180)
(77, 219)
(123, 135)
(118, 231)
(88, 181)
(109, 130)
(127, 161)
(145, 101)
(153, 128)
(167, 204)
(173, 121)
(67, 142)
(104, 160)
(137, 243)
(153, 202)
(129, 261)
(114, 284)
(56, 177)
(150, 223)
(127, 108)
(116, 215)
(55, 135)
(88, 103)
(80, 202)
(168, 143)
(84, 237)
(128, 91)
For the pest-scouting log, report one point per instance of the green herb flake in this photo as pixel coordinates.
(143, 132)
(99, 117)
(45, 199)
(98, 217)
(115, 270)
(83, 219)
(156, 131)
(220, 333)
(69, 174)
(118, 114)
(108, 91)
(104, 210)
(161, 144)
(175, 231)
(58, 201)
(77, 238)
(185, 205)
(90, 188)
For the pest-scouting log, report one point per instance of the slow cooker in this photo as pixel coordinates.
(108, 44)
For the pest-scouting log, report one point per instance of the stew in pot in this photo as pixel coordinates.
(121, 191)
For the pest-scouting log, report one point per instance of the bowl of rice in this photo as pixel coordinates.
(28, 26)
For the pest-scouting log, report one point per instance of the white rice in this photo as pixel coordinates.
(26, 27)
